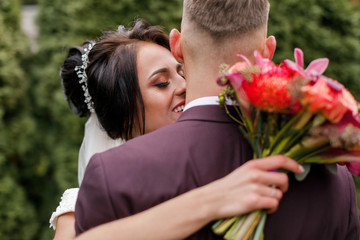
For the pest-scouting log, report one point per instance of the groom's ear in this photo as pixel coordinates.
(270, 46)
(175, 45)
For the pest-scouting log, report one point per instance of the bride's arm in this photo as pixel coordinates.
(65, 227)
(62, 220)
(95, 140)
(246, 189)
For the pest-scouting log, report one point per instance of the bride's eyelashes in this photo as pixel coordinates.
(162, 84)
(161, 77)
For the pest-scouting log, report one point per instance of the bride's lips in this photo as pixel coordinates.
(179, 107)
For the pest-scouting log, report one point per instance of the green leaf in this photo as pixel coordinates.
(303, 175)
(332, 168)
(318, 120)
(284, 130)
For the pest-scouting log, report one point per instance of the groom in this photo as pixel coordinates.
(202, 145)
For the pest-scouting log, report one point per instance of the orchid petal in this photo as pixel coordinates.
(259, 59)
(299, 57)
(265, 64)
(236, 80)
(293, 66)
(245, 59)
(317, 67)
(334, 85)
(238, 67)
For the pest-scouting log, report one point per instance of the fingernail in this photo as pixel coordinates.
(301, 168)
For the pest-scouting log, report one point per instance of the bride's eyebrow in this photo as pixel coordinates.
(161, 70)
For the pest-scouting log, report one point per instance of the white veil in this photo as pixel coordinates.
(95, 140)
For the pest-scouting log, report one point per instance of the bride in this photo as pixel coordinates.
(129, 84)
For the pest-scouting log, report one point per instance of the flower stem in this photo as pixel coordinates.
(232, 117)
(259, 232)
(311, 154)
(291, 142)
(305, 118)
(224, 226)
(235, 227)
(284, 130)
(249, 225)
(307, 146)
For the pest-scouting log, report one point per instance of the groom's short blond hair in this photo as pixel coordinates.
(227, 17)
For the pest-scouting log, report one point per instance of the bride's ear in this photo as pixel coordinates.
(175, 45)
(270, 46)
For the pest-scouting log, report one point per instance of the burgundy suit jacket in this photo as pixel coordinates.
(202, 146)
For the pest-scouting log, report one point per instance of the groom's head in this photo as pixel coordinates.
(225, 18)
(224, 28)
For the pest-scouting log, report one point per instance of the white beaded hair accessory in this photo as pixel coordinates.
(81, 73)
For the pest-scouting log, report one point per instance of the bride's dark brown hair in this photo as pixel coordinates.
(112, 78)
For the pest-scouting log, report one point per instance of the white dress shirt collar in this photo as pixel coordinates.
(212, 100)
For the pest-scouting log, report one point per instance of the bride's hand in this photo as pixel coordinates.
(255, 185)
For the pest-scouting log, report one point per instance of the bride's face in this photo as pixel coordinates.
(162, 85)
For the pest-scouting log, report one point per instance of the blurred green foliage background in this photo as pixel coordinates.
(40, 137)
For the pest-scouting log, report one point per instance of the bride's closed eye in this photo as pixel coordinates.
(159, 78)
(162, 84)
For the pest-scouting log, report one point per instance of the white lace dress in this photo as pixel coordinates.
(95, 140)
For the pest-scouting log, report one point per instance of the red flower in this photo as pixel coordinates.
(265, 85)
(269, 91)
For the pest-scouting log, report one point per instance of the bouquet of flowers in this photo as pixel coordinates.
(286, 109)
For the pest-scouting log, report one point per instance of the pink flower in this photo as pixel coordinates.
(321, 93)
(350, 159)
(233, 75)
(265, 64)
(328, 97)
(354, 168)
(312, 72)
(238, 67)
(344, 135)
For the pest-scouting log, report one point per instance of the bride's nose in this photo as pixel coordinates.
(180, 88)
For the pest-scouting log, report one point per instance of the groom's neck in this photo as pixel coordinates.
(201, 80)
(203, 56)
